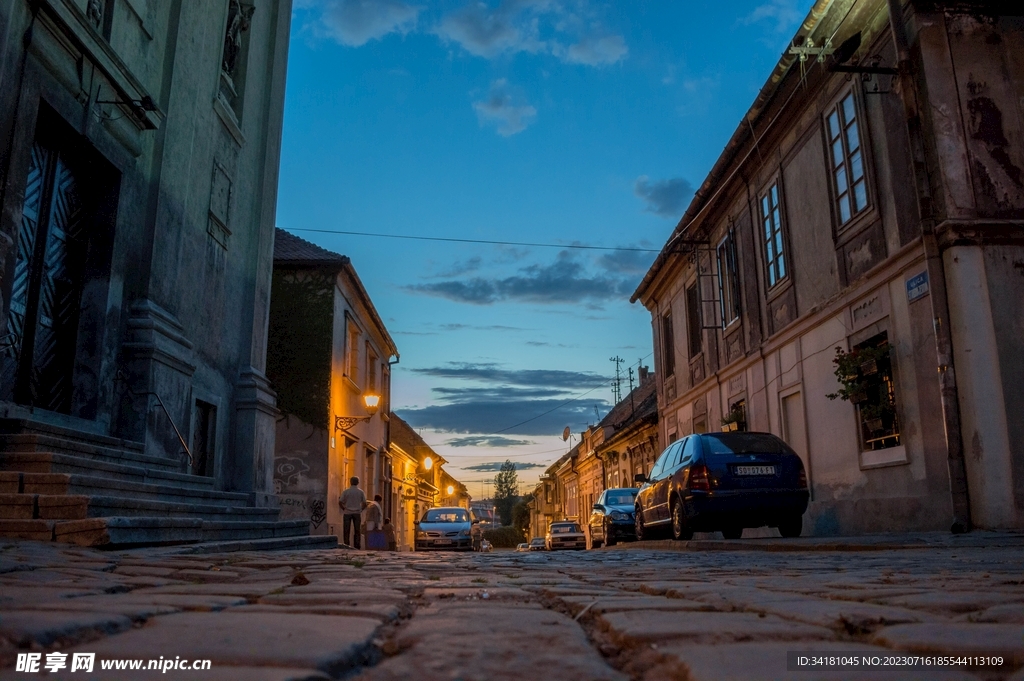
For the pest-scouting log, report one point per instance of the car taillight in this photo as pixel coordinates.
(802, 477)
(699, 478)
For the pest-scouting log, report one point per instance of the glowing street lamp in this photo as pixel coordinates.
(428, 463)
(371, 401)
(451, 490)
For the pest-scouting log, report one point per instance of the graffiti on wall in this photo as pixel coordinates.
(287, 472)
(319, 513)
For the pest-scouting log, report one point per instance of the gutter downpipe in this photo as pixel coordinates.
(936, 276)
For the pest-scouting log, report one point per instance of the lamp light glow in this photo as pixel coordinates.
(451, 490)
(428, 463)
(372, 403)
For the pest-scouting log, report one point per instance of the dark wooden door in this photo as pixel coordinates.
(47, 283)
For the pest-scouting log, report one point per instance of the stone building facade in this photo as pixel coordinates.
(327, 350)
(861, 236)
(623, 443)
(139, 147)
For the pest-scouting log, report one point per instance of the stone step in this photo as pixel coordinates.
(79, 507)
(237, 531)
(122, 532)
(36, 530)
(127, 454)
(126, 532)
(308, 542)
(91, 485)
(51, 462)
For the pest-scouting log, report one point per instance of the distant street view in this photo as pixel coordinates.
(474, 340)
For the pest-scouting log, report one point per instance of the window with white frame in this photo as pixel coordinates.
(352, 351)
(728, 280)
(693, 322)
(774, 247)
(847, 160)
(668, 345)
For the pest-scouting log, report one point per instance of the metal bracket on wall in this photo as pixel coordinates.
(343, 423)
(122, 378)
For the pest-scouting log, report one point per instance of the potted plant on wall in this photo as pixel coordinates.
(856, 371)
(735, 419)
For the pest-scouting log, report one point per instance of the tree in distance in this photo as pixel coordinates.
(521, 514)
(506, 491)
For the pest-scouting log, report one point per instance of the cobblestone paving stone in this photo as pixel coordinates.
(642, 613)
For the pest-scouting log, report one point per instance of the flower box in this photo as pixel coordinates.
(874, 425)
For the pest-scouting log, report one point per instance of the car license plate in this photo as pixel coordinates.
(442, 542)
(755, 470)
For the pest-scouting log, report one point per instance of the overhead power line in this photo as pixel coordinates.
(477, 241)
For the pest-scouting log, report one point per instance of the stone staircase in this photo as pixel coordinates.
(69, 486)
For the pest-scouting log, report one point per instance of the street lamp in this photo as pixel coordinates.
(371, 402)
(451, 490)
(428, 463)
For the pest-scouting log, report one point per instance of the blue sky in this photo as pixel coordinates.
(563, 122)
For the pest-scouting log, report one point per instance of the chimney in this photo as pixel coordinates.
(644, 375)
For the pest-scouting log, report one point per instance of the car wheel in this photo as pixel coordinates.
(732, 532)
(791, 526)
(680, 532)
(609, 539)
(638, 524)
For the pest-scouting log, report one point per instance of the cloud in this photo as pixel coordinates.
(486, 441)
(504, 108)
(357, 22)
(494, 393)
(667, 198)
(563, 281)
(490, 327)
(495, 466)
(626, 262)
(496, 375)
(785, 13)
(481, 31)
(463, 267)
(533, 27)
(542, 400)
(488, 415)
(597, 51)
(544, 344)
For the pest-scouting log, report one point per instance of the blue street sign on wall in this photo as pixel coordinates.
(917, 287)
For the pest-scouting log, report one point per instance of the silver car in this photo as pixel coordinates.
(445, 528)
(565, 535)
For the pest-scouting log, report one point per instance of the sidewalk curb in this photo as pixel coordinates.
(936, 540)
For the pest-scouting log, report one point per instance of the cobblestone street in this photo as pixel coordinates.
(610, 614)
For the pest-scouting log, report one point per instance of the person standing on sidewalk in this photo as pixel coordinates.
(389, 534)
(375, 537)
(352, 502)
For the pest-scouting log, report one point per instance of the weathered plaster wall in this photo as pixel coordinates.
(300, 472)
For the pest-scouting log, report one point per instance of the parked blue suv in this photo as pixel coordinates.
(723, 482)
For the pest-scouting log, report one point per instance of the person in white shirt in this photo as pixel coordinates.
(352, 502)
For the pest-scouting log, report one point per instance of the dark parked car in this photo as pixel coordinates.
(612, 517)
(724, 482)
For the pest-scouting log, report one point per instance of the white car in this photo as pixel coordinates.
(523, 547)
(565, 535)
